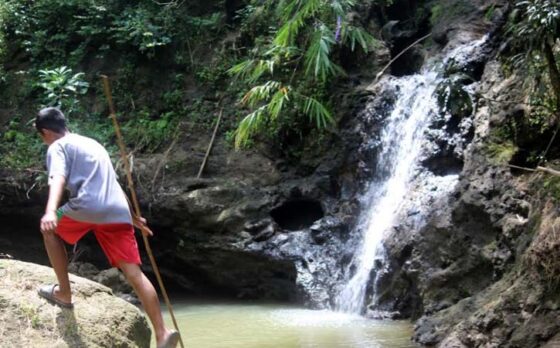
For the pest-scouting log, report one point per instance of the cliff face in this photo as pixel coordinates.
(98, 319)
(478, 274)
(473, 272)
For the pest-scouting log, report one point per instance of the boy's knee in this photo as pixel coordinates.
(131, 271)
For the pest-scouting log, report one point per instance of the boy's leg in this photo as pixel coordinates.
(148, 296)
(59, 261)
(69, 231)
(119, 244)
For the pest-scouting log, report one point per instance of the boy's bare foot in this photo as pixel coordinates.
(169, 339)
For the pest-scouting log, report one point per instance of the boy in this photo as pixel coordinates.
(98, 203)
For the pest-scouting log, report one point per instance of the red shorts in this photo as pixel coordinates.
(116, 240)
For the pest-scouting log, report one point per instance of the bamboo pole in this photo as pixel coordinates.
(548, 170)
(210, 145)
(379, 74)
(538, 169)
(136, 206)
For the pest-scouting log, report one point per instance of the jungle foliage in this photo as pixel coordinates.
(533, 33)
(289, 70)
(535, 27)
(172, 64)
(51, 52)
(283, 56)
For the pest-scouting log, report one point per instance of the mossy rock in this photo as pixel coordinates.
(98, 319)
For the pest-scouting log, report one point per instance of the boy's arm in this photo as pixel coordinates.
(49, 221)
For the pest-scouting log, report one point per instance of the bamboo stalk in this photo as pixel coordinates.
(136, 206)
(548, 170)
(210, 145)
(521, 168)
(538, 169)
(379, 74)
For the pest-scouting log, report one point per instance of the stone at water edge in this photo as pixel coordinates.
(98, 319)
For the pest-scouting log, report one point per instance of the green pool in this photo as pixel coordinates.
(274, 326)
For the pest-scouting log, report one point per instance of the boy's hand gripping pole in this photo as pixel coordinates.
(136, 206)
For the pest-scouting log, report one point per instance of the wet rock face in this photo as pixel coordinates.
(438, 250)
(410, 61)
(406, 23)
(316, 254)
(202, 227)
(456, 254)
(238, 238)
(466, 268)
(363, 136)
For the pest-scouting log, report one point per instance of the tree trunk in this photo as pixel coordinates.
(553, 72)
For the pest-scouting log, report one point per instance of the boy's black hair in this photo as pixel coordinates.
(52, 119)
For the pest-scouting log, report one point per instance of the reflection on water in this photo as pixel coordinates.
(273, 326)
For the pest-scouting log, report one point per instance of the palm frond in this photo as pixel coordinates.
(341, 7)
(249, 126)
(288, 32)
(242, 69)
(277, 102)
(353, 35)
(317, 57)
(295, 15)
(310, 8)
(316, 111)
(285, 9)
(253, 69)
(260, 93)
(286, 52)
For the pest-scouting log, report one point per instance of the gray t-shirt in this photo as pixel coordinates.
(95, 194)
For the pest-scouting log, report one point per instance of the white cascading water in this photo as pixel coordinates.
(401, 143)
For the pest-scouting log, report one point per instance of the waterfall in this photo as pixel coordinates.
(396, 170)
(400, 143)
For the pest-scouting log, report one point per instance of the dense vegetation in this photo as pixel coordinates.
(53, 52)
(533, 30)
(172, 65)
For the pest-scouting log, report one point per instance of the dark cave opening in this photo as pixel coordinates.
(294, 215)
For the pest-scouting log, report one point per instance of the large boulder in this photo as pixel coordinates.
(98, 319)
